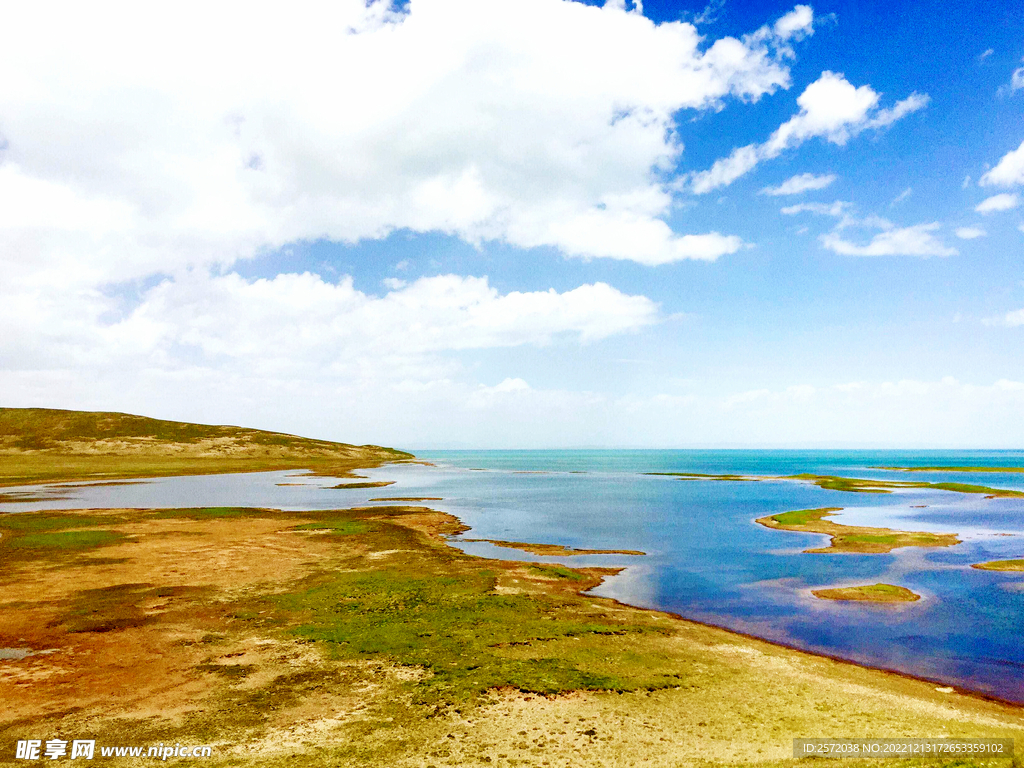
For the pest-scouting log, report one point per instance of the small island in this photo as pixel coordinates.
(706, 476)
(376, 484)
(409, 498)
(859, 485)
(852, 538)
(865, 485)
(997, 470)
(554, 550)
(869, 593)
(1001, 565)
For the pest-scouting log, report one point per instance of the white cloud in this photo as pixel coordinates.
(301, 328)
(626, 235)
(909, 241)
(796, 23)
(996, 203)
(985, 54)
(970, 233)
(725, 171)
(516, 120)
(1009, 171)
(901, 196)
(1017, 79)
(800, 183)
(484, 397)
(298, 315)
(830, 108)
(1010, 319)
(837, 209)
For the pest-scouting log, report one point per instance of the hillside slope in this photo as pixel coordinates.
(46, 445)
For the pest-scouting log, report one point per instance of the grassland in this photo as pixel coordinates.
(359, 637)
(850, 538)
(41, 445)
(1000, 565)
(869, 593)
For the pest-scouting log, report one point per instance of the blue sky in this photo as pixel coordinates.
(533, 224)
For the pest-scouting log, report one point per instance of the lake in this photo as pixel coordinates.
(706, 559)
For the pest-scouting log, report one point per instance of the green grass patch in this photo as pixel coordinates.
(967, 488)
(46, 521)
(557, 572)
(340, 526)
(847, 484)
(456, 628)
(867, 538)
(804, 516)
(858, 485)
(851, 538)
(204, 513)
(66, 540)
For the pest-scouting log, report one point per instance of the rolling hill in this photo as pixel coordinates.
(47, 445)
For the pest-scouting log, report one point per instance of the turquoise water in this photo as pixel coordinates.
(706, 558)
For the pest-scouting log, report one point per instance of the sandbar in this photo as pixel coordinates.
(555, 550)
(1000, 565)
(852, 538)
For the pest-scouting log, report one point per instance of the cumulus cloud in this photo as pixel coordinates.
(970, 233)
(802, 182)
(303, 317)
(830, 108)
(295, 338)
(797, 23)
(917, 240)
(138, 140)
(1001, 202)
(1008, 172)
